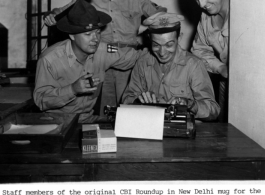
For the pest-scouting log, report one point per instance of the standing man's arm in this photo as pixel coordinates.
(201, 49)
(49, 17)
(123, 59)
(149, 8)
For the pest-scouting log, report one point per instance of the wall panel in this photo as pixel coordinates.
(247, 68)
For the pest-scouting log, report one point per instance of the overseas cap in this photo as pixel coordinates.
(163, 22)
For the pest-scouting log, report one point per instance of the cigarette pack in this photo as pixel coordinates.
(96, 140)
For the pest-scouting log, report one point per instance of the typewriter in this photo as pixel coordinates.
(178, 121)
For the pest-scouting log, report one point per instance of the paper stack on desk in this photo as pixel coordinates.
(137, 121)
(96, 140)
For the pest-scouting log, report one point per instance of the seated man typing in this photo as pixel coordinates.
(171, 74)
(64, 69)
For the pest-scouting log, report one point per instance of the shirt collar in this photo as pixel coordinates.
(181, 57)
(71, 55)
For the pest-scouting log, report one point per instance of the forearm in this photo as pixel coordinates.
(202, 49)
(128, 98)
(207, 109)
(125, 58)
(47, 97)
(136, 86)
(132, 92)
(203, 93)
(50, 17)
(211, 62)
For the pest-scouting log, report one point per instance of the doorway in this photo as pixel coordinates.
(3, 47)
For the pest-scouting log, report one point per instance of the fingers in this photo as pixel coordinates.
(172, 100)
(141, 99)
(223, 71)
(224, 74)
(147, 97)
(86, 88)
(154, 98)
(90, 89)
(177, 100)
(82, 85)
(95, 80)
(50, 20)
(182, 101)
(89, 79)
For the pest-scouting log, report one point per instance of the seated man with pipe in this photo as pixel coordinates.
(64, 69)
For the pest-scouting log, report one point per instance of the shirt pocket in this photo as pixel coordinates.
(179, 90)
(131, 20)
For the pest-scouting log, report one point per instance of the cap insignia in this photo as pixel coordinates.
(163, 21)
(89, 26)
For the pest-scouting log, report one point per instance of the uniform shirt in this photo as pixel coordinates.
(126, 18)
(211, 43)
(186, 77)
(58, 68)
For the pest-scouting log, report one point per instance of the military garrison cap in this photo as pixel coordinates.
(163, 22)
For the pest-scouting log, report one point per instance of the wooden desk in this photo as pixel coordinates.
(219, 152)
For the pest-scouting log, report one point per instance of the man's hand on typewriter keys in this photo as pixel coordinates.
(177, 100)
(191, 104)
(82, 85)
(147, 97)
